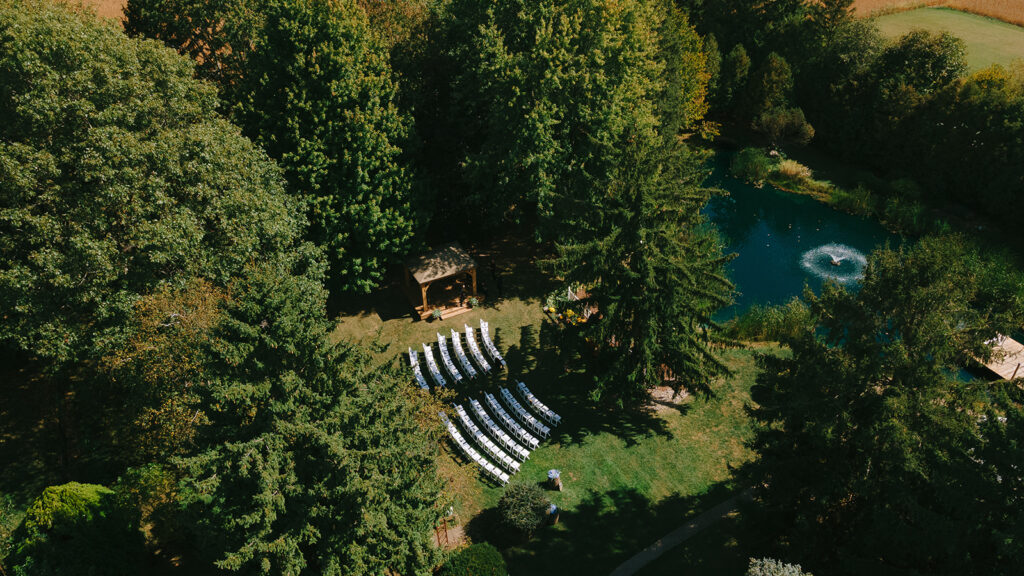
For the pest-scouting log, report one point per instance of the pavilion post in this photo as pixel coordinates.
(423, 289)
(472, 273)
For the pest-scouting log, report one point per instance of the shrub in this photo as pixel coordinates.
(771, 322)
(792, 169)
(860, 200)
(769, 567)
(905, 215)
(77, 529)
(782, 125)
(751, 165)
(523, 507)
(476, 560)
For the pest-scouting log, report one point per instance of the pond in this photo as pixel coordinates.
(783, 241)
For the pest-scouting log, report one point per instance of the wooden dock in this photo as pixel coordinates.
(1007, 358)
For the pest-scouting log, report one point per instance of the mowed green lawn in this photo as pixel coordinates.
(629, 477)
(989, 41)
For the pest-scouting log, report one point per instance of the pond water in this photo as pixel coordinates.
(784, 241)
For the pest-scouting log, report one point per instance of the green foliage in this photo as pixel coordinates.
(781, 125)
(770, 567)
(77, 529)
(751, 165)
(116, 177)
(868, 445)
(922, 60)
(310, 458)
(544, 95)
(685, 76)
(523, 507)
(655, 272)
(475, 560)
(859, 200)
(770, 86)
(311, 83)
(773, 323)
(733, 81)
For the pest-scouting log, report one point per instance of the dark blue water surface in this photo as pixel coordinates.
(771, 231)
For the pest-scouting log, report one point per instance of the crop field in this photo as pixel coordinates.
(1011, 11)
(988, 41)
(104, 8)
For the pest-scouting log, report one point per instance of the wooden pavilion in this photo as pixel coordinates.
(453, 273)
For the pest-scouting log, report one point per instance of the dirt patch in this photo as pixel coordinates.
(663, 399)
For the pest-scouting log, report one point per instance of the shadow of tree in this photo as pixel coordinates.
(597, 535)
(30, 457)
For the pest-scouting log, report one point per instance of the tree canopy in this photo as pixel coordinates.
(312, 84)
(869, 443)
(311, 460)
(117, 176)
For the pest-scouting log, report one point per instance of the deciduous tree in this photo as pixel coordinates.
(310, 82)
(117, 177)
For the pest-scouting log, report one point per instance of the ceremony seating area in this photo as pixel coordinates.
(472, 454)
(496, 435)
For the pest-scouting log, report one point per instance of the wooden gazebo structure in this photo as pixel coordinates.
(449, 261)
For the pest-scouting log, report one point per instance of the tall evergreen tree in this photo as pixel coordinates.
(654, 270)
(310, 82)
(311, 462)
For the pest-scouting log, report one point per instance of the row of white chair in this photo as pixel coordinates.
(488, 344)
(510, 423)
(414, 362)
(486, 443)
(442, 346)
(524, 415)
(460, 355)
(545, 412)
(467, 367)
(432, 367)
(497, 433)
(474, 349)
(471, 453)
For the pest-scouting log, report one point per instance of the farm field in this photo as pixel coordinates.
(988, 41)
(1011, 11)
(104, 8)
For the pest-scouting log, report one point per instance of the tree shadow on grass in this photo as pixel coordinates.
(29, 440)
(596, 536)
(557, 375)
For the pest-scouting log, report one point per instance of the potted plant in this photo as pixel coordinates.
(436, 314)
(472, 301)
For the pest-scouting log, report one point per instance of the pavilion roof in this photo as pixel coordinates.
(446, 261)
